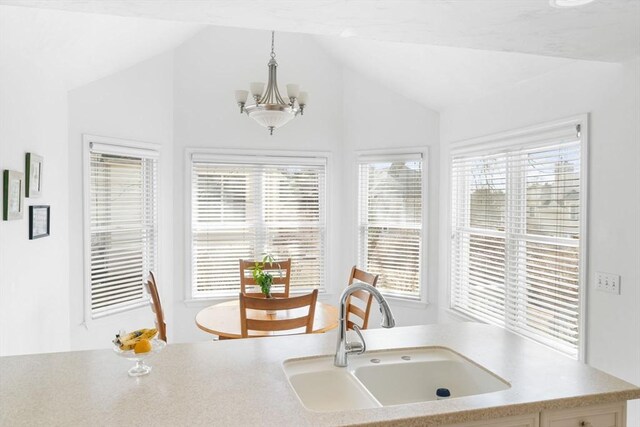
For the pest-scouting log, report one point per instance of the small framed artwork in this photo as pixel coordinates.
(33, 170)
(39, 221)
(12, 195)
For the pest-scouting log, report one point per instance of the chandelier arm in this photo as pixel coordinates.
(272, 94)
(276, 92)
(268, 97)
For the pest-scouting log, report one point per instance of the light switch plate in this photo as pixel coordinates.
(607, 282)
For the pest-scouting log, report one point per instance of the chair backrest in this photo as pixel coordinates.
(362, 312)
(280, 270)
(152, 289)
(261, 321)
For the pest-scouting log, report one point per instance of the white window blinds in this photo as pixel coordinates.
(248, 208)
(515, 257)
(123, 225)
(390, 221)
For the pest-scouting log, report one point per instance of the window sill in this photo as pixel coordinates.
(119, 310)
(207, 301)
(406, 302)
(113, 317)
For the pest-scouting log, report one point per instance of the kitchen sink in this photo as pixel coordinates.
(331, 390)
(387, 377)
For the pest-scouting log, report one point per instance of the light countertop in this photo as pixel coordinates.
(241, 382)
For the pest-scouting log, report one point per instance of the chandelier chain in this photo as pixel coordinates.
(273, 53)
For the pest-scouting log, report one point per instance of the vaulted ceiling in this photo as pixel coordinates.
(604, 30)
(80, 48)
(439, 77)
(437, 52)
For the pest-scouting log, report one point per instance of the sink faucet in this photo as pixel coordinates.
(344, 348)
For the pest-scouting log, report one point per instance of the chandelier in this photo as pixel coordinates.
(270, 110)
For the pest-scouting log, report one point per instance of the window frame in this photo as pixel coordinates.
(242, 155)
(123, 147)
(516, 139)
(422, 300)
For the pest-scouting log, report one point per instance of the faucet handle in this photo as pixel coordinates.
(357, 347)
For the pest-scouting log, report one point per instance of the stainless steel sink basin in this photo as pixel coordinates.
(385, 378)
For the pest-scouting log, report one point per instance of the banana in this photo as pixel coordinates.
(131, 341)
(132, 335)
(149, 334)
(128, 341)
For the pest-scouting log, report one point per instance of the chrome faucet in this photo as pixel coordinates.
(345, 348)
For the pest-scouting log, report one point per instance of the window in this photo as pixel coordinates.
(517, 245)
(390, 221)
(243, 207)
(121, 182)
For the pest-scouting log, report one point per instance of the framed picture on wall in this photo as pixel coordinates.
(12, 195)
(39, 221)
(33, 170)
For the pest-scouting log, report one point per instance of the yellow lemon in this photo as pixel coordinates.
(142, 346)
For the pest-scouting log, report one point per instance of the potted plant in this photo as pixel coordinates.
(263, 278)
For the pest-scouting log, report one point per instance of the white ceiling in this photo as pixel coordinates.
(439, 77)
(77, 48)
(605, 30)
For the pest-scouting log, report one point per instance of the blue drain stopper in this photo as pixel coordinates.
(443, 393)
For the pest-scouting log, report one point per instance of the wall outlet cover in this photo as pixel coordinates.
(607, 282)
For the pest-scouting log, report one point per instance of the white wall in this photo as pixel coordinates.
(208, 68)
(134, 104)
(611, 94)
(34, 308)
(378, 118)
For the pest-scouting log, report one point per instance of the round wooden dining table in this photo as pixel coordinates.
(223, 319)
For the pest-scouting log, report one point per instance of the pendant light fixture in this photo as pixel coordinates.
(270, 109)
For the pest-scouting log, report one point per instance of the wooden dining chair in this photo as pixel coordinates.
(363, 308)
(152, 289)
(261, 321)
(280, 270)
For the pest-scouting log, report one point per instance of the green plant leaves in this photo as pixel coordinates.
(262, 278)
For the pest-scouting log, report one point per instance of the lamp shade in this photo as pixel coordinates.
(303, 98)
(256, 88)
(241, 96)
(271, 118)
(293, 90)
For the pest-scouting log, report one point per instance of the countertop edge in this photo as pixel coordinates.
(491, 413)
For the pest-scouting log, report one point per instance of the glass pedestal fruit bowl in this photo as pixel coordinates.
(140, 368)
